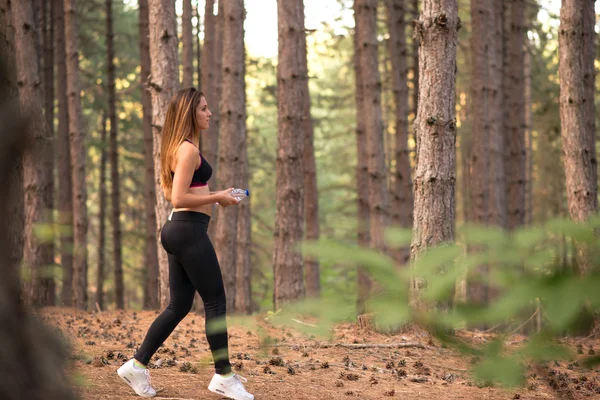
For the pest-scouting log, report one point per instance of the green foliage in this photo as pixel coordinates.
(519, 275)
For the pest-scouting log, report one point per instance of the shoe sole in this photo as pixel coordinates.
(124, 379)
(226, 394)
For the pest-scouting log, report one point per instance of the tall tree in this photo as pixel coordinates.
(209, 140)
(14, 171)
(495, 95)
(243, 273)
(100, 276)
(187, 34)
(362, 178)
(36, 256)
(578, 148)
(32, 357)
(415, 64)
(165, 81)
(63, 158)
(77, 142)
(198, 48)
(311, 194)
(402, 198)
(114, 160)
(48, 72)
(365, 13)
(589, 76)
(233, 133)
(435, 176)
(151, 298)
(482, 52)
(289, 218)
(515, 144)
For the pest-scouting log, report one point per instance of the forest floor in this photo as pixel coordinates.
(299, 367)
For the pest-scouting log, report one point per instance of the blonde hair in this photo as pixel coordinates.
(180, 124)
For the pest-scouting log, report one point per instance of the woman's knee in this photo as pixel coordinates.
(180, 308)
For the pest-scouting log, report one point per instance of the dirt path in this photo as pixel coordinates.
(297, 369)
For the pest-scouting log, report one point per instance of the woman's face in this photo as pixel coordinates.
(203, 115)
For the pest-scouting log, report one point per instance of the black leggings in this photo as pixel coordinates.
(193, 266)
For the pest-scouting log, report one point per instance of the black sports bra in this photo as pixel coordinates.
(202, 174)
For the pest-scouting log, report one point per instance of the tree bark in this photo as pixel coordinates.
(589, 77)
(102, 219)
(114, 162)
(151, 294)
(495, 94)
(483, 53)
(362, 180)
(435, 177)
(365, 16)
(198, 48)
(63, 158)
(188, 44)
(78, 151)
(515, 165)
(402, 199)
(31, 355)
(233, 133)
(48, 42)
(8, 86)
(415, 55)
(311, 194)
(578, 149)
(165, 81)
(36, 256)
(289, 218)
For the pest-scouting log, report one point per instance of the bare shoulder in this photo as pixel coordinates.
(186, 154)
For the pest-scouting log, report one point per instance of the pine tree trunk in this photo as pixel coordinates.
(415, 55)
(63, 158)
(77, 142)
(589, 77)
(209, 74)
(515, 165)
(243, 274)
(435, 174)
(114, 162)
(165, 81)
(198, 49)
(529, 140)
(365, 16)
(32, 356)
(8, 86)
(233, 133)
(401, 210)
(209, 140)
(483, 53)
(578, 149)
(36, 256)
(289, 218)
(496, 177)
(362, 179)
(188, 44)
(311, 194)
(151, 295)
(102, 219)
(48, 33)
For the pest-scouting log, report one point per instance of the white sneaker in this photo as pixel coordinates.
(231, 387)
(137, 378)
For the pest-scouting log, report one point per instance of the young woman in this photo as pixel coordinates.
(193, 264)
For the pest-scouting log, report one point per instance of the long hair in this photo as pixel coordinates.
(180, 124)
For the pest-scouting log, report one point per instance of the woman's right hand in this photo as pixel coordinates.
(226, 198)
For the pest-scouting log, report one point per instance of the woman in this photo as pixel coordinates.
(193, 264)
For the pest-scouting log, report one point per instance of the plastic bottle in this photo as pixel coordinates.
(239, 194)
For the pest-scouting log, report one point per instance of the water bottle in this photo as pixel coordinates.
(239, 194)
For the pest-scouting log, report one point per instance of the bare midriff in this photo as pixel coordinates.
(199, 190)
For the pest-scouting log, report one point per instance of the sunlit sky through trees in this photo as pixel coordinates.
(261, 20)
